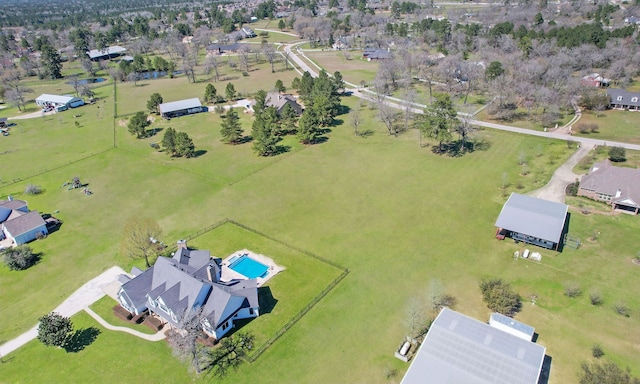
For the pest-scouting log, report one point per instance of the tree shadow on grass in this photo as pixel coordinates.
(459, 148)
(81, 339)
(199, 152)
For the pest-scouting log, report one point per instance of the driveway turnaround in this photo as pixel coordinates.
(86, 295)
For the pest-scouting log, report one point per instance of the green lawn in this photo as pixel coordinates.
(612, 125)
(104, 308)
(522, 119)
(391, 211)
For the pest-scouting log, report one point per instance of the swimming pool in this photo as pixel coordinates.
(248, 267)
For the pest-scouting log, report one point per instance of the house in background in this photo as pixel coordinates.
(107, 53)
(616, 186)
(219, 49)
(595, 80)
(532, 221)
(459, 349)
(190, 280)
(19, 225)
(376, 54)
(621, 99)
(58, 102)
(181, 108)
(279, 101)
(248, 32)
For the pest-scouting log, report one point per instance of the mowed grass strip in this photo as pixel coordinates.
(612, 125)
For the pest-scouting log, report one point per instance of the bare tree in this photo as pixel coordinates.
(388, 116)
(15, 92)
(184, 340)
(354, 118)
(140, 238)
(244, 52)
(269, 53)
(211, 62)
(409, 97)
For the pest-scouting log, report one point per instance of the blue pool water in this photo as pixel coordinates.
(248, 267)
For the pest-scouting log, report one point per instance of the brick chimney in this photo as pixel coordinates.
(182, 244)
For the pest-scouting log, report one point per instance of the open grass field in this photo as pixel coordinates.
(356, 70)
(392, 212)
(613, 125)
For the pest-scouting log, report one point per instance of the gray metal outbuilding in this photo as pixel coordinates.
(181, 108)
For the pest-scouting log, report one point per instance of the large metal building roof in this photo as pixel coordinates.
(534, 217)
(459, 349)
(180, 105)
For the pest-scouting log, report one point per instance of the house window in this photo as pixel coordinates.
(251, 311)
(634, 99)
(619, 98)
(225, 326)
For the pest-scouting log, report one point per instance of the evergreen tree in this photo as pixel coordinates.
(279, 87)
(308, 127)
(261, 102)
(231, 130)
(210, 94)
(169, 141)
(281, 25)
(263, 133)
(51, 62)
(184, 145)
(439, 119)
(230, 92)
(306, 86)
(288, 119)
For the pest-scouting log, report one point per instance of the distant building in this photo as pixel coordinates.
(376, 54)
(532, 221)
(617, 186)
(458, 349)
(107, 53)
(595, 80)
(248, 32)
(219, 49)
(621, 99)
(181, 108)
(58, 102)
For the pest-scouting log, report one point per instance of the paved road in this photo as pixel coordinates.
(86, 295)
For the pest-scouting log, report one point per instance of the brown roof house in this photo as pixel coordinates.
(279, 101)
(18, 223)
(613, 185)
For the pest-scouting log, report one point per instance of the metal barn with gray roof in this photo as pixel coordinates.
(533, 221)
(459, 349)
(181, 108)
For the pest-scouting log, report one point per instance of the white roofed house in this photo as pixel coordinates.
(59, 102)
(106, 53)
(533, 221)
(181, 108)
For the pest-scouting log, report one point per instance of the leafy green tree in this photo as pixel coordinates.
(494, 70)
(439, 119)
(281, 25)
(279, 87)
(169, 141)
(51, 62)
(210, 94)
(54, 329)
(140, 238)
(263, 132)
(538, 19)
(309, 127)
(231, 130)
(230, 92)
(296, 83)
(154, 101)
(20, 257)
(139, 64)
(184, 145)
(499, 297)
(605, 372)
(138, 124)
(306, 86)
(338, 81)
(261, 102)
(617, 154)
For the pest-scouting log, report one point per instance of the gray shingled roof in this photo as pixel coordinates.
(459, 349)
(534, 217)
(620, 96)
(608, 179)
(278, 100)
(13, 204)
(113, 50)
(24, 223)
(179, 105)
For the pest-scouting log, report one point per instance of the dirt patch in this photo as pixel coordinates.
(635, 261)
(151, 119)
(122, 123)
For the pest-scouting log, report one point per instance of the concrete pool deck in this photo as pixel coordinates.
(228, 274)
